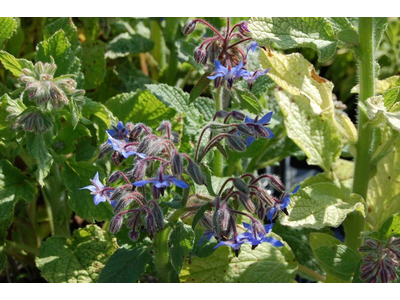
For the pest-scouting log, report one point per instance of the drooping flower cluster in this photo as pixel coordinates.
(42, 88)
(158, 166)
(381, 262)
(254, 199)
(225, 50)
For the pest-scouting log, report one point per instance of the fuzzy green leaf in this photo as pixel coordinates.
(93, 64)
(334, 257)
(126, 265)
(125, 44)
(181, 239)
(59, 48)
(391, 227)
(13, 64)
(37, 148)
(7, 28)
(79, 259)
(13, 186)
(248, 101)
(263, 264)
(319, 205)
(315, 33)
(69, 28)
(140, 107)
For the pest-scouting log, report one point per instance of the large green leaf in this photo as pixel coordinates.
(59, 48)
(315, 33)
(77, 175)
(248, 101)
(307, 107)
(125, 44)
(93, 64)
(179, 100)
(126, 265)
(334, 257)
(181, 239)
(141, 106)
(263, 264)
(13, 64)
(13, 186)
(391, 227)
(7, 28)
(320, 204)
(69, 28)
(79, 259)
(37, 148)
(384, 188)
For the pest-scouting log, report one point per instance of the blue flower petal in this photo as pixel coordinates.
(296, 189)
(266, 118)
(141, 182)
(274, 242)
(99, 198)
(215, 76)
(120, 125)
(271, 213)
(219, 68)
(180, 183)
(91, 188)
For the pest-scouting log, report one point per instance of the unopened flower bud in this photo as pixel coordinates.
(241, 185)
(247, 202)
(261, 211)
(260, 130)
(134, 235)
(177, 164)
(243, 28)
(237, 115)
(221, 222)
(158, 216)
(221, 114)
(189, 27)
(175, 138)
(218, 82)
(105, 148)
(246, 130)
(138, 172)
(200, 55)
(235, 142)
(277, 183)
(206, 221)
(164, 126)
(114, 177)
(264, 196)
(195, 173)
(258, 229)
(150, 225)
(115, 224)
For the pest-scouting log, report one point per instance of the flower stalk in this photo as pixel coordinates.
(356, 222)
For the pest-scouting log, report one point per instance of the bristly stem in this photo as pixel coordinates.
(311, 273)
(218, 159)
(355, 222)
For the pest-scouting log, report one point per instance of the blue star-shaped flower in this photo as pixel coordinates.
(206, 236)
(256, 239)
(251, 77)
(252, 46)
(96, 189)
(160, 183)
(264, 120)
(281, 205)
(229, 74)
(117, 132)
(121, 147)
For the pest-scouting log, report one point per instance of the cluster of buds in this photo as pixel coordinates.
(238, 136)
(381, 260)
(243, 192)
(225, 49)
(159, 165)
(42, 88)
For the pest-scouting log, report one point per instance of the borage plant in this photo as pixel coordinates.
(192, 191)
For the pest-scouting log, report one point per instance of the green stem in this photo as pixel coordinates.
(21, 247)
(161, 258)
(55, 197)
(311, 273)
(355, 222)
(218, 158)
